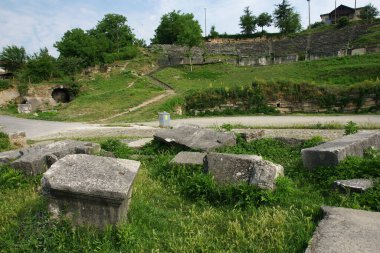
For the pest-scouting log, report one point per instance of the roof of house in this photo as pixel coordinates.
(341, 7)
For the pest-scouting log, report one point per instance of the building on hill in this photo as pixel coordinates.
(341, 11)
(5, 74)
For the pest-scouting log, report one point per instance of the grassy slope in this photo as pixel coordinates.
(177, 209)
(333, 71)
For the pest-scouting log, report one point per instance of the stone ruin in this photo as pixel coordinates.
(90, 190)
(225, 168)
(333, 152)
(87, 189)
(196, 138)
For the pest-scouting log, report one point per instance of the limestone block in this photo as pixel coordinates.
(346, 230)
(90, 190)
(24, 108)
(137, 143)
(229, 168)
(189, 158)
(18, 139)
(8, 156)
(38, 159)
(333, 152)
(354, 185)
(196, 138)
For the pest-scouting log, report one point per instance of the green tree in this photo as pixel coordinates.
(79, 44)
(40, 67)
(286, 19)
(247, 22)
(190, 36)
(170, 27)
(13, 58)
(369, 13)
(264, 19)
(116, 30)
(213, 32)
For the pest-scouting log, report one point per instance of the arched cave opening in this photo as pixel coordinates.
(61, 95)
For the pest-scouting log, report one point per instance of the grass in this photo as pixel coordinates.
(101, 98)
(180, 209)
(372, 38)
(333, 71)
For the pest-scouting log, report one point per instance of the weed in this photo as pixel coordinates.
(351, 128)
(4, 142)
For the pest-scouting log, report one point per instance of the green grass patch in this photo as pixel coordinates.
(372, 38)
(343, 71)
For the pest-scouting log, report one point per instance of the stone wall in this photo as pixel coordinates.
(264, 51)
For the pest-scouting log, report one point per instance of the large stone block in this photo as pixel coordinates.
(333, 152)
(196, 138)
(189, 158)
(9, 156)
(229, 168)
(346, 230)
(90, 190)
(38, 159)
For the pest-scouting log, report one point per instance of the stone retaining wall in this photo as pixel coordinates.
(264, 51)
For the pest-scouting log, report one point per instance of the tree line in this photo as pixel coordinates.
(112, 39)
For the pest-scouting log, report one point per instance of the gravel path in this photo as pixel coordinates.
(276, 121)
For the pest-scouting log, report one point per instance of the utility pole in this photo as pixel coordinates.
(309, 12)
(355, 11)
(335, 11)
(205, 22)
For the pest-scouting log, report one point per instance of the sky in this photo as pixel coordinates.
(36, 24)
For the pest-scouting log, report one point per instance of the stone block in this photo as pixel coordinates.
(18, 139)
(9, 156)
(140, 143)
(90, 190)
(354, 185)
(196, 138)
(24, 108)
(189, 158)
(333, 152)
(346, 230)
(358, 51)
(252, 169)
(38, 159)
(250, 135)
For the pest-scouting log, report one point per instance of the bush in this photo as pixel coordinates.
(342, 22)
(317, 25)
(4, 142)
(23, 88)
(351, 128)
(5, 84)
(126, 53)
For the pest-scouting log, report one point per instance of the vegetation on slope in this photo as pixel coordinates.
(332, 71)
(180, 209)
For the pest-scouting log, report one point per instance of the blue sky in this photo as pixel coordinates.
(40, 23)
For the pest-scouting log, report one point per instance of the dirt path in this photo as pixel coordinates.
(147, 102)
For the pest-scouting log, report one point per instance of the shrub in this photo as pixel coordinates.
(4, 142)
(317, 25)
(23, 88)
(342, 22)
(351, 128)
(5, 84)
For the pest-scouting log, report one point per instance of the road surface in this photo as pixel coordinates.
(40, 129)
(277, 121)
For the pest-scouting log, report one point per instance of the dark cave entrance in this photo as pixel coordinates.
(61, 95)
